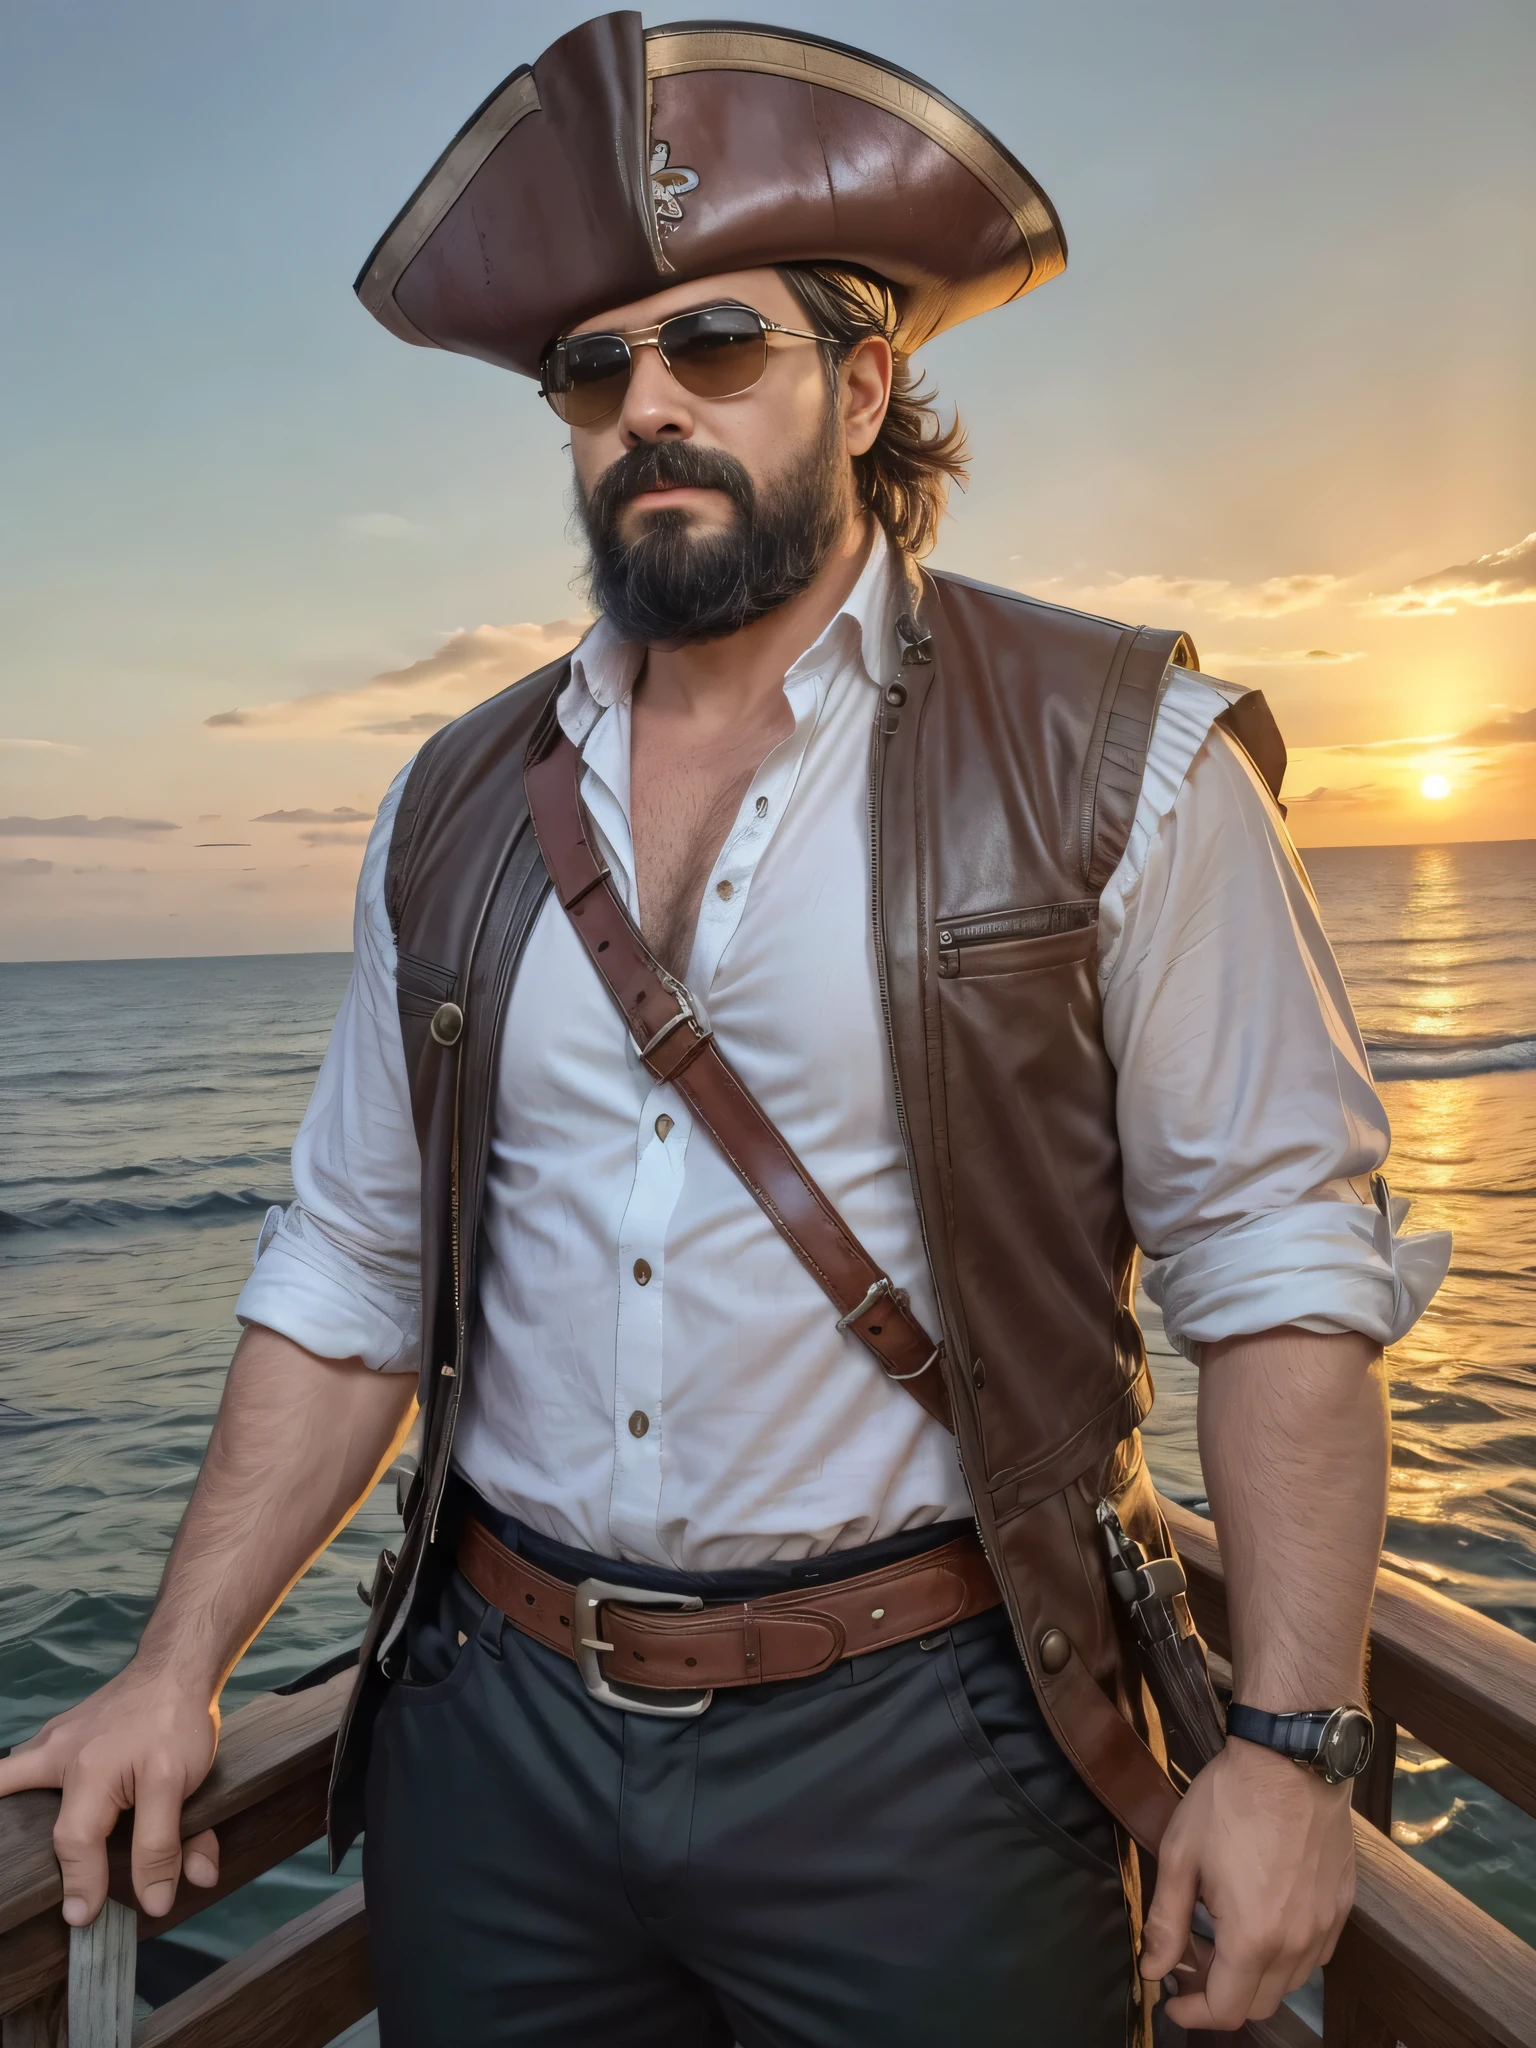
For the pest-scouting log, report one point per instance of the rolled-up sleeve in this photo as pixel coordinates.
(1251, 1133)
(342, 1274)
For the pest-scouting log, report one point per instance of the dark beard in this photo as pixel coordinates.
(670, 587)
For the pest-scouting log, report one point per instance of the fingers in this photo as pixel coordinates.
(87, 1815)
(1166, 1935)
(1226, 2001)
(1242, 1986)
(31, 1764)
(157, 1840)
(200, 1859)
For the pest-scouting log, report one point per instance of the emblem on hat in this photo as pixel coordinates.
(668, 187)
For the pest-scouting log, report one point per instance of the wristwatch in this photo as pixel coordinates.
(1335, 1741)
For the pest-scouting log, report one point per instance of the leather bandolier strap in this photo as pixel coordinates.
(676, 1045)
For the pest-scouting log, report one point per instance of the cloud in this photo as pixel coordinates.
(1355, 795)
(203, 844)
(381, 526)
(334, 838)
(469, 667)
(26, 867)
(422, 722)
(1507, 576)
(77, 827)
(102, 868)
(1275, 657)
(343, 814)
(39, 747)
(209, 817)
(1514, 729)
(1152, 596)
(1510, 731)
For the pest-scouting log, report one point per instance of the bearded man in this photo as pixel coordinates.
(773, 1031)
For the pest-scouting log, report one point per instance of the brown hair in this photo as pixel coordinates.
(904, 478)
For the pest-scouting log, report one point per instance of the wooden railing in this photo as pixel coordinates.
(1418, 1964)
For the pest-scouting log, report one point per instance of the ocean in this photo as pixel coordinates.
(146, 1109)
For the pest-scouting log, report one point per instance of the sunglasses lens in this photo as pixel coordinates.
(586, 376)
(716, 353)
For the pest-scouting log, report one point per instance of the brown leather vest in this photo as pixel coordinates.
(1007, 761)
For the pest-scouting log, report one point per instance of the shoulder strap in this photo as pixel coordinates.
(1117, 750)
(677, 1046)
(1122, 733)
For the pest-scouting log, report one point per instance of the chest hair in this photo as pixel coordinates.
(685, 791)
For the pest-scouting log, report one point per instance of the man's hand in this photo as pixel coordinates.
(299, 1443)
(141, 1741)
(1270, 1849)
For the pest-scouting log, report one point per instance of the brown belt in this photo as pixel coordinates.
(626, 1639)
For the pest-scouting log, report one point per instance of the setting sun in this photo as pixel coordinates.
(1435, 787)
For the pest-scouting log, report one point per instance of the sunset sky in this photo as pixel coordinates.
(252, 548)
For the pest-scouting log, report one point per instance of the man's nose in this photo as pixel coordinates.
(656, 406)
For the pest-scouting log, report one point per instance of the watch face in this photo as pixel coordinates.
(1345, 1749)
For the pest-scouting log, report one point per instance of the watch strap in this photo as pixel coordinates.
(1298, 1736)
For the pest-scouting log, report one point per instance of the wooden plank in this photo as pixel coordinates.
(101, 1960)
(300, 1986)
(1456, 1680)
(40, 2024)
(1435, 1969)
(35, 1955)
(264, 1748)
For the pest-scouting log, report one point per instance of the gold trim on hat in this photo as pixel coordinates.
(432, 198)
(669, 52)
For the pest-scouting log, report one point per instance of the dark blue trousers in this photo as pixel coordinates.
(891, 1855)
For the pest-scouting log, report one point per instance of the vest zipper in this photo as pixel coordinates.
(876, 754)
(877, 921)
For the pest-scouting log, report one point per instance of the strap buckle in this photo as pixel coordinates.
(877, 1291)
(883, 1290)
(587, 1642)
(688, 1012)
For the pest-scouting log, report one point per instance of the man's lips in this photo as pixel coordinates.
(659, 494)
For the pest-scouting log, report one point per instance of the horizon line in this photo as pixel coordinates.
(345, 953)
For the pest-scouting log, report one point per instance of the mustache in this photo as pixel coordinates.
(655, 465)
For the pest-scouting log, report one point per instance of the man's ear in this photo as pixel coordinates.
(864, 380)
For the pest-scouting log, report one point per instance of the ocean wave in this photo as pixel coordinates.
(154, 1169)
(115, 1212)
(1403, 1058)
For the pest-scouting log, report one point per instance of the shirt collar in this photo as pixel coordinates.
(604, 667)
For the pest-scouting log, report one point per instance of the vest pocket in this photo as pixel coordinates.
(1015, 941)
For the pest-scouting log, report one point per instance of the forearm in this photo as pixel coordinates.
(297, 1446)
(1295, 1444)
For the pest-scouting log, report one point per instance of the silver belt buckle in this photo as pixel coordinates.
(589, 1646)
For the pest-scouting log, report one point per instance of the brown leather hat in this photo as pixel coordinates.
(627, 159)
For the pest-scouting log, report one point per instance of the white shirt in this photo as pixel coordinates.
(709, 1415)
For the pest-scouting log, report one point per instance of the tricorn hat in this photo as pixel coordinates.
(627, 159)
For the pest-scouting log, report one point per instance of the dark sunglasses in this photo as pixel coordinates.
(717, 352)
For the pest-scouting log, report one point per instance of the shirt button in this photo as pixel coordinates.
(642, 1274)
(639, 1423)
(663, 1127)
(724, 891)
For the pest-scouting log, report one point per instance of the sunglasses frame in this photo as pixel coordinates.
(650, 337)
